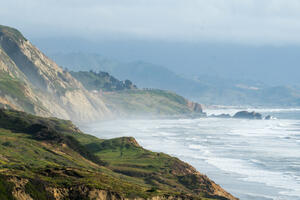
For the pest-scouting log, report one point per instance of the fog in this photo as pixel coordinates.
(273, 65)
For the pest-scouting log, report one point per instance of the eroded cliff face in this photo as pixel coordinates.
(78, 192)
(195, 107)
(48, 89)
(83, 192)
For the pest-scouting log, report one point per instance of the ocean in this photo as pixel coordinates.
(251, 159)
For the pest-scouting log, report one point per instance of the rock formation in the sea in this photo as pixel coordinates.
(269, 117)
(248, 115)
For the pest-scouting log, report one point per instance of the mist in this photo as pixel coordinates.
(273, 65)
(214, 83)
(248, 40)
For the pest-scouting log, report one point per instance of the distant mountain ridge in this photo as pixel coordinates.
(144, 75)
(203, 89)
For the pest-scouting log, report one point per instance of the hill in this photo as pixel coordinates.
(123, 98)
(151, 102)
(49, 158)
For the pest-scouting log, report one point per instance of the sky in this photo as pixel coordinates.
(240, 39)
(250, 22)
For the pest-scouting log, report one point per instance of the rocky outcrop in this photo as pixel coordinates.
(83, 192)
(19, 192)
(247, 115)
(269, 117)
(195, 107)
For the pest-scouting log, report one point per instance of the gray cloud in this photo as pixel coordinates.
(241, 21)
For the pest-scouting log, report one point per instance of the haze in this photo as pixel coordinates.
(249, 39)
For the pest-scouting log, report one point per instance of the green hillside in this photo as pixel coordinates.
(150, 102)
(41, 158)
(124, 98)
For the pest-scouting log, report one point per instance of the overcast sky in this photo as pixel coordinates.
(275, 22)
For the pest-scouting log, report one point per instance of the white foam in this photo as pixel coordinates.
(275, 179)
(234, 146)
(232, 110)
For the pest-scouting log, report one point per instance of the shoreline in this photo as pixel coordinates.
(165, 139)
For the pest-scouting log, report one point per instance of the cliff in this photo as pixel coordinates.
(32, 82)
(150, 102)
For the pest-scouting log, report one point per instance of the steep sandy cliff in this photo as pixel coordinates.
(47, 88)
(31, 82)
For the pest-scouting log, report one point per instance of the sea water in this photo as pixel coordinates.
(252, 159)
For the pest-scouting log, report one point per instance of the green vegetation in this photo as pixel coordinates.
(15, 88)
(12, 33)
(36, 189)
(149, 102)
(53, 153)
(101, 81)
(124, 98)
(5, 189)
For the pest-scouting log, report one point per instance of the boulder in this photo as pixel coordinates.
(269, 117)
(247, 115)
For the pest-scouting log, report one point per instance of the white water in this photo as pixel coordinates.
(252, 159)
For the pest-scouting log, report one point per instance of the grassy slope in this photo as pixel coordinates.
(125, 167)
(15, 89)
(147, 101)
(126, 98)
(12, 33)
